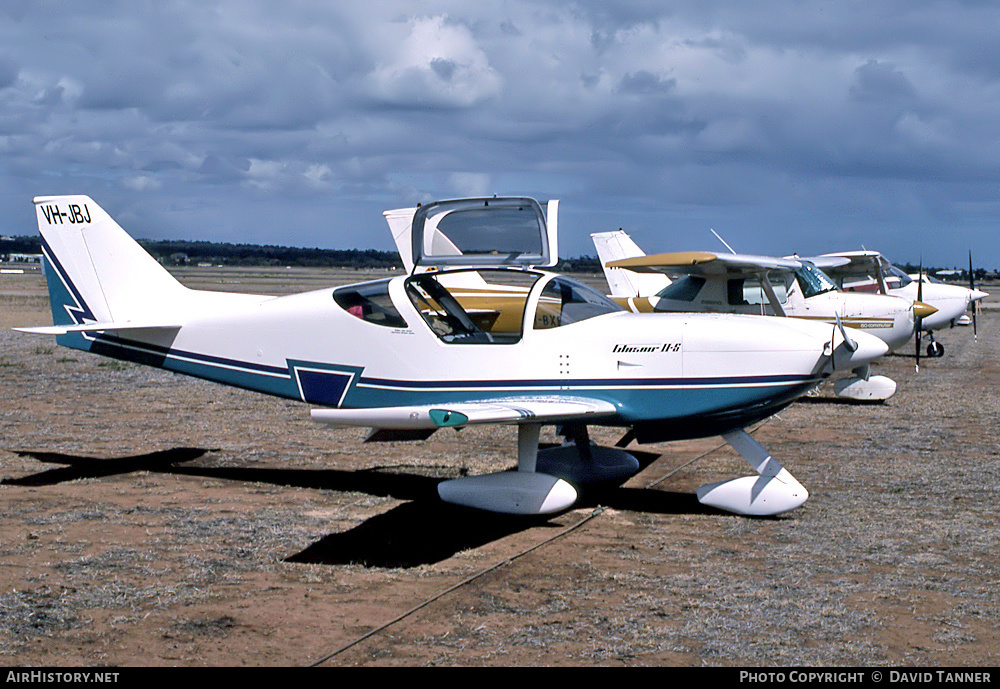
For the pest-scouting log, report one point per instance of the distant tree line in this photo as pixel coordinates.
(176, 252)
(955, 274)
(20, 245)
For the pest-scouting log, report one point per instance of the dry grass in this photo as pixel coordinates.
(150, 519)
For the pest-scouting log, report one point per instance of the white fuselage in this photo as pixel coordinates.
(889, 318)
(676, 375)
(951, 301)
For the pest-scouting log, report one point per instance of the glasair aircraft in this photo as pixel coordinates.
(412, 354)
(870, 271)
(764, 285)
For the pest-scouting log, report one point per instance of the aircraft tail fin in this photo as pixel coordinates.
(96, 272)
(615, 246)
(400, 224)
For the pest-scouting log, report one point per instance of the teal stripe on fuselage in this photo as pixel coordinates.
(650, 401)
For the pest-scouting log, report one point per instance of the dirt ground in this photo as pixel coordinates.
(148, 519)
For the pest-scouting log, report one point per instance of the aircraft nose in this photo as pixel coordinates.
(978, 294)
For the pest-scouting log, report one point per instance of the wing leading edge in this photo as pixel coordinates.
(514, 410)
(706, 263)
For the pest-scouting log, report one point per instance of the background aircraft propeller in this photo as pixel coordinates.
(975, 302)
(850, 344)
(918, 322)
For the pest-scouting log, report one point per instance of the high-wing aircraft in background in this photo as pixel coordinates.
(764, 285)
(870, 271)
(413, 354)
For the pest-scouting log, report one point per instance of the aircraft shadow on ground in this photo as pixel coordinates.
(838, 400)
(423, 530)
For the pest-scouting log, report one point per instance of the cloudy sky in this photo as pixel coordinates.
(787, 126)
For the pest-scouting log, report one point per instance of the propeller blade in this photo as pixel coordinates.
(920, 280)
(975, 330)
(975, 303)
(848, 342)
(833, 348)
(918, 322)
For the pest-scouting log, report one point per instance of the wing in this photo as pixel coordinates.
(826, 263)
(454, 414)
(865, 270)
(707, 263)
(855, 264)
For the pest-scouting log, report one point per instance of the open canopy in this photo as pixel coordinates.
(479, 232)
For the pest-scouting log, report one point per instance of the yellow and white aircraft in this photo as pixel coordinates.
(870, 271)
(410, 355)
(702, 281)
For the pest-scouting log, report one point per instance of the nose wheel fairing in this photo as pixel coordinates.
(773, 491)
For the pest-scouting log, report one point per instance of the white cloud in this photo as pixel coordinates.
(141, 183)
(470, 184)
(439, 63)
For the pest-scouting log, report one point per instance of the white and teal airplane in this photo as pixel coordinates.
(435, 349)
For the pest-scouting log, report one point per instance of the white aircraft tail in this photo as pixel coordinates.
(97, 274)
(400, 224)
(615, 246)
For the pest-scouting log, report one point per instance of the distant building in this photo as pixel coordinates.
(25, 258)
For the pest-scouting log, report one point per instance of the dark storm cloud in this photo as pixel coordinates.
(785, 121)
(875, 81)
(8, 72)
(645, 84)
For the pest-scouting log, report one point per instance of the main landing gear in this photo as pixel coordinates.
(546, 481)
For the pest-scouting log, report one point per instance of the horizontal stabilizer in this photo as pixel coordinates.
(97, 327)
(509, 410)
